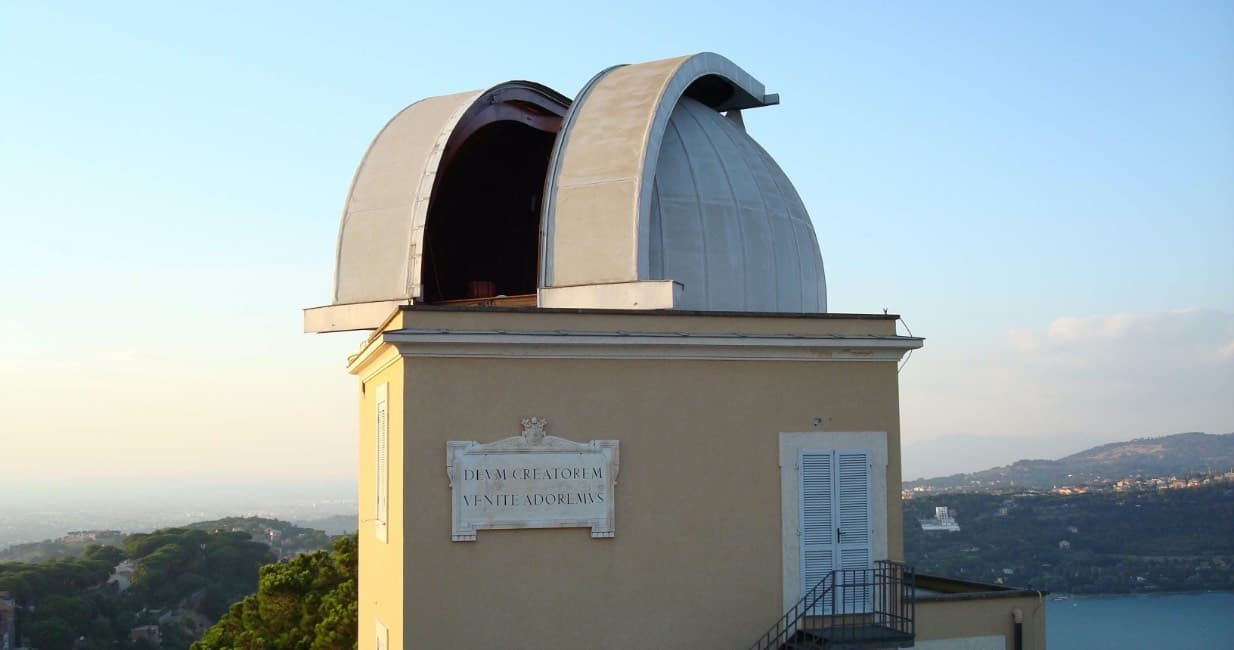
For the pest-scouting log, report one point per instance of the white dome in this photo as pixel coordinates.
(658, 199)
(726, 222)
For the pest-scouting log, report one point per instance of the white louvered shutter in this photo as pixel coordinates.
(854, 541)
(383, 460)
(817, 517)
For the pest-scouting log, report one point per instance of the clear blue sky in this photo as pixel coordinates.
(1044, 190)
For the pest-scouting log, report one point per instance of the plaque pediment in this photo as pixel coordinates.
(532, 439)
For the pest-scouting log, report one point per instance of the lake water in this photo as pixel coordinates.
(1174, 621)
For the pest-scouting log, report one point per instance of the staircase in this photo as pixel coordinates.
(849, 609)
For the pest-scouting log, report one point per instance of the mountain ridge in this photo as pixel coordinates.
(1180, 454)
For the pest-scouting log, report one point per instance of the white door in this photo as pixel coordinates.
(836, 523)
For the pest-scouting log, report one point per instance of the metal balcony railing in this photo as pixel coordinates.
(850, 608)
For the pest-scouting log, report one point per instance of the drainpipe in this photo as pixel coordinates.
(1017, 615)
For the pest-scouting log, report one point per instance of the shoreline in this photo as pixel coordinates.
(1060, 596)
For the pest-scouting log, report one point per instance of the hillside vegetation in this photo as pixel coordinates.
(285, 539)
(1099, 542)
(178, 579)
(181, 580)
(309, 602)
(70, 546)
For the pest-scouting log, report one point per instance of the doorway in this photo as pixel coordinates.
(835, 520)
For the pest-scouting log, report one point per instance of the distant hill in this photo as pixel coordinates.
(71, 546)
(970, 452)
(283, 538)
(333, 525)
(1177, 455)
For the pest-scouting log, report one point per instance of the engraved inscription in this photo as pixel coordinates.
(533, 480)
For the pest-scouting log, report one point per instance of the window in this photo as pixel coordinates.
(383, 637)
(383, 461)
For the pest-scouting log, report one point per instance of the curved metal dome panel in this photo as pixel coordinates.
(388, 201)
(726, 223)
(644, 193)
(381, 242)
(649, 182)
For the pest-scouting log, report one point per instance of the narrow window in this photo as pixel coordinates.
(383, 461)
(383, 637)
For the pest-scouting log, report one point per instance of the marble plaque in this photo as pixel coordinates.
(532, 480)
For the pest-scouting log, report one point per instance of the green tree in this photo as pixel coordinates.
(308, 602)
(108, 555)
(175, 563)
(51, 634)
(74, 611)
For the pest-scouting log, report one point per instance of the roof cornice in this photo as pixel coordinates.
(577, 344)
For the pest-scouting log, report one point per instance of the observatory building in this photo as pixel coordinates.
(603, 403)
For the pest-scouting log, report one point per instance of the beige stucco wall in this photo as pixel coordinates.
(959, 619)
(381, 596)
(696, 561)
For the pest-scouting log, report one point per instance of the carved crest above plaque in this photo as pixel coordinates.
(532, 480)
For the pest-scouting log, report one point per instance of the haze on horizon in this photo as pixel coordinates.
(1045, 192)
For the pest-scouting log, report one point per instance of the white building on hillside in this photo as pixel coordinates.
(942, 521)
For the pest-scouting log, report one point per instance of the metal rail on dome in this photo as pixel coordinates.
(850, 608)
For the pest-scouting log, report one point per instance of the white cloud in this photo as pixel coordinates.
(1116, 376)
(1177, 337)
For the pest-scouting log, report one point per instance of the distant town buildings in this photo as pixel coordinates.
(942, 520)
(8, 625)
(122, 575)
(88, 536)
(1171, 482)
(1135, 483)
(146, 633)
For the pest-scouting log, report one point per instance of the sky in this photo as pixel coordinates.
(1045, 191)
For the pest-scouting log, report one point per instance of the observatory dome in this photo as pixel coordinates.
(726, 222)
(644, 192)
